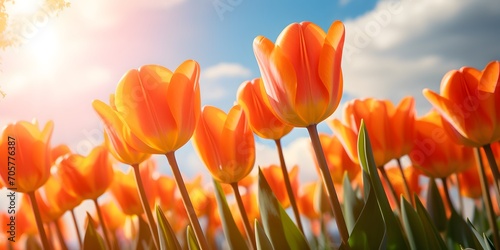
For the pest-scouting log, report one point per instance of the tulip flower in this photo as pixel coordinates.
(160, 107)
(390, 128)
(117, 131)
(275, 180)
(338, 160)
(398, 185)
(469, 102)
(434, 152)
(165, 186)
(260, 118)
(225, 143)
(59, 151)
(87, 177)
(306, 200)
(301, 72)
(124, 189)
(25, 151)
(469, 184)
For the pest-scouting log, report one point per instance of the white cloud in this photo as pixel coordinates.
(401, 47)
(225, 69)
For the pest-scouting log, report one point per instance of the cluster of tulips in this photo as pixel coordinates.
(365, 197)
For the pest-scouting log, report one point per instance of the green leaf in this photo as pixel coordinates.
(143, 239)
(435, 206)
(191, 239)
(168, 240)
(233, 234)
(352, 204)
(413, 226)
(459, 233)
(92, 240)
(395, 236)
(261, 239)
(369, 230)
(485, 243)
(433, 237)
(280, 229)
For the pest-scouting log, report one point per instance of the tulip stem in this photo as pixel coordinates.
(328, 184)
(405, 183)
(460, 197)
(38, 219)
(103, 223)
(244, 217)
(60, 235)
(145, 205)
(487, 199)
(391, 187)
(288, 185)
(494, 168)
(80, 242)
(188, 205)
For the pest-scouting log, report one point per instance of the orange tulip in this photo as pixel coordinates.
(337, 159)
(261, 119)
(166, 187)
(470, 186)
(306, 200)
(274, 177)
(469, 102)
(412, 176)
(59, 151)
(225, 143)
(160, 107)
(434, 152)
(116, 133)
(124, 188)
(25, 153)
(301, 73)
(383, 121)
(87, 177)
(113, 216)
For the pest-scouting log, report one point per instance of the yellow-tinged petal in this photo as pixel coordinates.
(490, 77)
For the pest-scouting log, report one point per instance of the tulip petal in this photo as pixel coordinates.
(347, 137)
(490, 77)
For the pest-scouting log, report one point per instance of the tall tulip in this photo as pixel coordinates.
(434, 153)
(303, 82)
(162, 108)
(226, 145)
(251, 97)
(25, 152)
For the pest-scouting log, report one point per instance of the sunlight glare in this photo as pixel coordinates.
(44, 50)
(23, 7)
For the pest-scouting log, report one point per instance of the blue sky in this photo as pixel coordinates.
(393, 49)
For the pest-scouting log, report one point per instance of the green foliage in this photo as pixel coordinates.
(168, 239)
(233, 235)
(435, 206)
(191, 239)
(261, 239)
(352, 204)
(279, 228)
(92, 240)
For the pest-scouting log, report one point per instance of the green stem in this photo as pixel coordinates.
(328, 184)
(188, 205)
(494, 168)
(244, 217)
(391, 187)
(103, 223)
(405, 183)
(288, 185)
(487, 199)
(38, 219)
(145, 205)
(80, 242)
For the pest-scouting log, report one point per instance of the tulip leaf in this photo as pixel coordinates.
(143, 239)
(394, 234)
(459, 233)
(435, 206)
(168, 240)
(413, 226)
(485, 243)
(433, 237)
(191, 239)
(31, 243)
(352, 204)
(261, 239)
(92, 240)
(365, 235)
(233, 235)
(280, 229)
